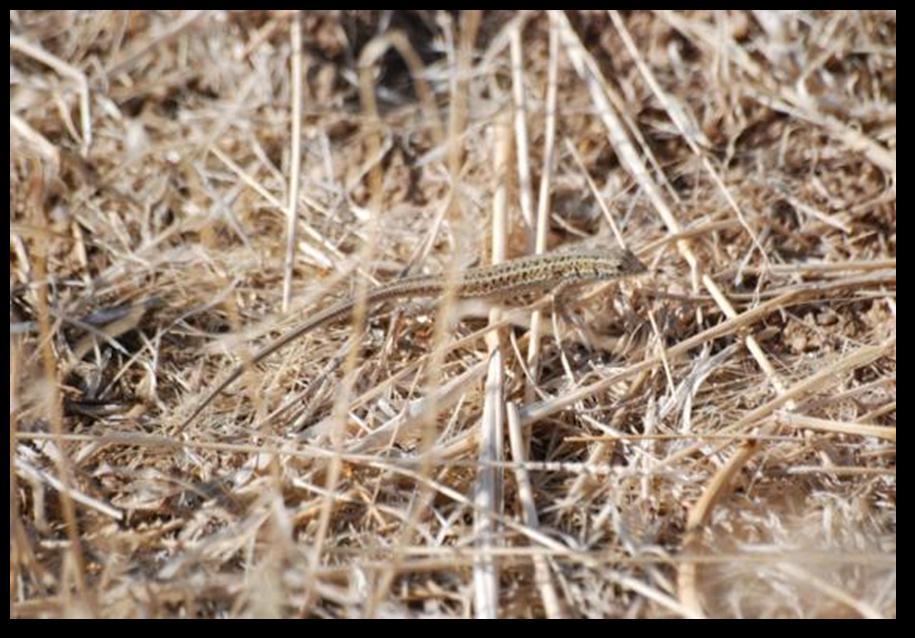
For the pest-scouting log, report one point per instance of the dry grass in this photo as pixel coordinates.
(717, 439)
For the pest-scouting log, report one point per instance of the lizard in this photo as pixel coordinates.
(551, 271)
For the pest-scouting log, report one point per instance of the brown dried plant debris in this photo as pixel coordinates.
(715, 440)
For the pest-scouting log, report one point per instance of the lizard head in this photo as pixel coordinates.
(630, 264)
(608, 263)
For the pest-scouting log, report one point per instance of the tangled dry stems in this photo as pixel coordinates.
(719, 440)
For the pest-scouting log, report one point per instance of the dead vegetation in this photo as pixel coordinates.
(718, 439)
